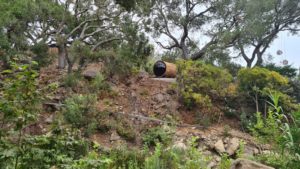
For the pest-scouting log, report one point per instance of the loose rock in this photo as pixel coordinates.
(233, 146)
(180, 146)
(89, 74)
(115, 136)
(219, 147)
(159, 98)
(247, 164)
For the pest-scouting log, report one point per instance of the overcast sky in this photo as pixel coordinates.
(290, 46)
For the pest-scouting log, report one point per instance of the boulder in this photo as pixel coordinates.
(114, 136)
(219, 147)
(89, 74)
(233, 146)
(247, 164)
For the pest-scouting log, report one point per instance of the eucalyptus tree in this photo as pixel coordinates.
(180, 21)
(85, 21)
(258, 24)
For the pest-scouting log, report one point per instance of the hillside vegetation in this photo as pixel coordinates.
(77, 88)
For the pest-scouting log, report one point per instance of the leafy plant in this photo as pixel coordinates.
(201, 86)
(276, 129)
(256, 83)
(190, 158)
(19, 106)
(127, 131)
(42, 57)
(99, 83)
(158, 134)
(72, 79)
(80, 111)
(225, 162)
(199, 83)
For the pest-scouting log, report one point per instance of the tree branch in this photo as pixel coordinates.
(103, 42)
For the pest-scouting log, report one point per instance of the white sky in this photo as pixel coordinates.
(290, 46)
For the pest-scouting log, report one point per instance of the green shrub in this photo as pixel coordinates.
(225, 162)
(99, 83)
(295, 92)
(72, 79)
(277, 160)
(282, 135)
(201, 85)
(292, 135)
(163, 135)
(191, 158)
(92, 160)
(123, 158)
(260, 78)
(287, 71)
(80, 111)
(42, 57)
(45, 151)
(257, 83)
(126, 131)
(116, 65)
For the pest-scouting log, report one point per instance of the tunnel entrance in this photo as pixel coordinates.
(159, 68)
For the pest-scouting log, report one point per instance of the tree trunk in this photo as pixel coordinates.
(198, 55)
(259, 59)
(249, 63)
(62, 56)
(185, 52)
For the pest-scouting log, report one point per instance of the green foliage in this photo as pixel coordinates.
(260, 78)
(92, 160)
(226, 131)
(199, 84)
(176, 158)
(136, 50)
(287, 71)
(225, 162)
(163, 135)
(80, 53)
(124, 158)
(275, 129)
(241, 149)
(99, 83)
(257, 83)
(126, 130)
(269, 129)
(295, 92)
(276, 160)
(44, 151)
(19, 100)
(115, 65)
(42, 56)
(292, 135)
(80, 111)
(72, 79)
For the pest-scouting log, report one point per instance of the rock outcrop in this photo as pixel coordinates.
(233, 146)
(219, 147)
